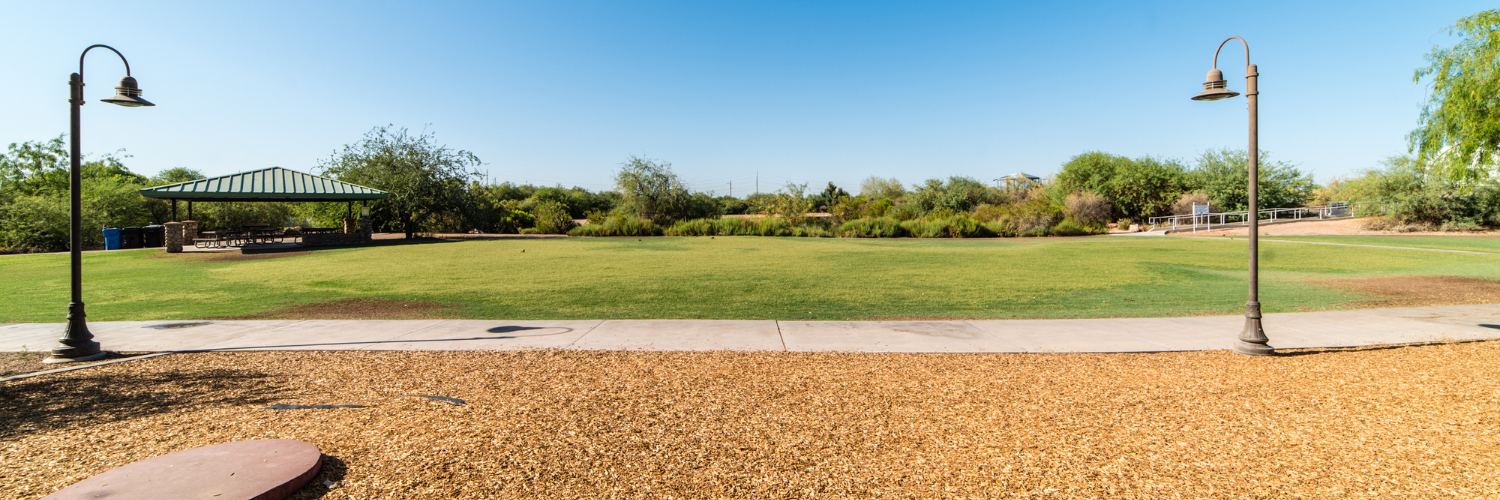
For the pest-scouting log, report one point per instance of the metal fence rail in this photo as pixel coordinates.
(1336, 210)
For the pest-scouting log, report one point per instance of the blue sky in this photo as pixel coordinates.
(562, 92)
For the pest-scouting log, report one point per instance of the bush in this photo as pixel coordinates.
(618, 225)
(1184, 204)
(1088, 208)
(35, 224)
(513, 222)
(552, 218)
(695, 227)
(883, 227)
(1124, 224)
(748, 226)
(1070, 227)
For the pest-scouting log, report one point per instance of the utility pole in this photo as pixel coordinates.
(731, 189)
(757, 182)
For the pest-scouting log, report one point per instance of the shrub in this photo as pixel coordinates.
(35, 224)
(1124, 224)
(1088, 208)
(552, 218)
(1070, 227)
(513, 222)
(695, 227)
(1035, 216)
(618, 225)
(883, 227)
(1184, 204)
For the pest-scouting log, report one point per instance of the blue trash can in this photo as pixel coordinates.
(111, 238)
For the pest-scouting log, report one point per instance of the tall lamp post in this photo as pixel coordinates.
(1252, 339)
(77, 343)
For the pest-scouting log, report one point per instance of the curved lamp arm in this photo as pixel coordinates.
(1216, 52)
(127, 63)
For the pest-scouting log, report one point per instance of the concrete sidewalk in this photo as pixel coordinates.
(1286, 330)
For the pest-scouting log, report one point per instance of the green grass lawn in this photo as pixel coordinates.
(730, 278)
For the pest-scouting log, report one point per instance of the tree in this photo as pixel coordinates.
(426, 181)
(829, 197)
(1139, 188)
(958, 194)
(1460, 124)
(175, 175)
(651, 191)
(1223, 175)
(877, 188)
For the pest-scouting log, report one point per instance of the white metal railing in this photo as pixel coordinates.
(1335, 210)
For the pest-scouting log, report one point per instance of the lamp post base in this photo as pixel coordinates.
(91, 357)
(77, 343)
(1253, 339)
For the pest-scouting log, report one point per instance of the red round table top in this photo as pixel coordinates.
(262, 469)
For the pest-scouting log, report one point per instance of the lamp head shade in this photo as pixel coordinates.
(128, 94)
(1213, 87)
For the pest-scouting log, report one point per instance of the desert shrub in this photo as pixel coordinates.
(872, 227)
(812, 231)
(694, 227)
(618, 225)
(1088, 208)
(513, 222)
(790, 204)
(1035, 216)
(552, 217)
(1184, 204)
(957, 194)
(1124, 224)
(905, 212)
(922, 228)
(1001, 228)
(750, 226)
(954, 226)
(1070, 227)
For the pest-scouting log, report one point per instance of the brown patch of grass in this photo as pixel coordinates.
(1415, 291)
(360, 308)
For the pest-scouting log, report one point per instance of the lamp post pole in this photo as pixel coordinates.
(1252, 339)
(77, 343)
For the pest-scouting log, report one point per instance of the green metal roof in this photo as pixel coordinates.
(271, 184)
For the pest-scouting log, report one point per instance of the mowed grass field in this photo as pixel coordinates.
(735, 278)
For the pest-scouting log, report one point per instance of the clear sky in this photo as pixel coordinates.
(559, 92)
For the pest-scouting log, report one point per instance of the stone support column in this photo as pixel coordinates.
(189, 231)
(349, 226)
(365, 227)
(174, 237)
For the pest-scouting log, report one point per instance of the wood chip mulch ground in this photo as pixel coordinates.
(1402, 422)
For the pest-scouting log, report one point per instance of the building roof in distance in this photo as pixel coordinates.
(268, 184)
